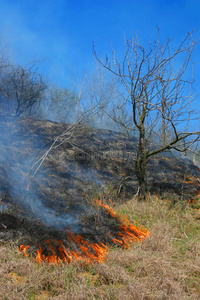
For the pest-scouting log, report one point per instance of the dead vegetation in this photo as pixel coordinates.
(164, 266)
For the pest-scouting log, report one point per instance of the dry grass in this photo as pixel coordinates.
(165, 266)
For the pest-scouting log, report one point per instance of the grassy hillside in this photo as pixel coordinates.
(164, 266)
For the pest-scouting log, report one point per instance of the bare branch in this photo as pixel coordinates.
(158, 95)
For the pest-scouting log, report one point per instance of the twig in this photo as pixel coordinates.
(4, 225)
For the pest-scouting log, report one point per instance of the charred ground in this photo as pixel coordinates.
(83, 163)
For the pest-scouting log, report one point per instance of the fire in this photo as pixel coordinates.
(88, 252)
(23, 249)
(128, 232)
(192, 200)
(109, 209)
(52, 257)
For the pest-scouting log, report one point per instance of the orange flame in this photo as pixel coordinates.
(89, 252)
(193, 200)
(23, 249)
(93, 252)
(128, 232)
(190, 201)
(109, 209)
(52, 257)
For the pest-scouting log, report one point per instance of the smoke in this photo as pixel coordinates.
(57, 113)
(96, 89)
(15, 163)
(55, 195)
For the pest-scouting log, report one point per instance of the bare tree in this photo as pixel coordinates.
(4, 65)
(99, 89)
(158, 95)
(61, 104)
(22, 88)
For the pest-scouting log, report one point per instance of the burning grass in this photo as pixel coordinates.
(54, 251)
(164, 266)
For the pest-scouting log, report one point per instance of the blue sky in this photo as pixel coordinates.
(61, 32)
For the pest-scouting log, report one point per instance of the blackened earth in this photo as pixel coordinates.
(44, 202)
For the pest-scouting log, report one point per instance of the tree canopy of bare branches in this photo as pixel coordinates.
(21, 88)
(158, 93)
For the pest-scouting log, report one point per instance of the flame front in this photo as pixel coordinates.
(127, 233)
(89, 252)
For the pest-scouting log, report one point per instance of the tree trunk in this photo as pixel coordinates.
(140, 173)
(140, 167)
